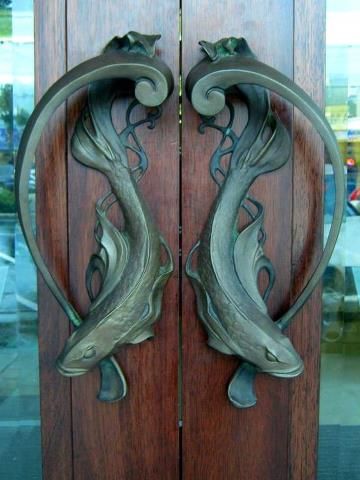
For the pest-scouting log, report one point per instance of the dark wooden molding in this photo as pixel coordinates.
(307, 238)
(51, 179)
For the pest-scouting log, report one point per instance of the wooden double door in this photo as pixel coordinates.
(176, 421)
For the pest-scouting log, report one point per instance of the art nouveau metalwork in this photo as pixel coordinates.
(128, 261)
(225, 279)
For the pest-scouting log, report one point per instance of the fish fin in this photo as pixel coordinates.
(192, 274)
(269, 152)
(88, 145)
(112, 256)
(113, 383)
(205, 307)
(152, 309)
(168, 267)
(154, 306)
(249, 259)
(144, 335)
(96, 264)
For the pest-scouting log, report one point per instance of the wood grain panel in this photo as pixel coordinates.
(220, 441)
(138, 437)
(51, 201)
(309, 65)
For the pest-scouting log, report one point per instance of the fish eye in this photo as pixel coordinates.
(270, 356)
(90, 352)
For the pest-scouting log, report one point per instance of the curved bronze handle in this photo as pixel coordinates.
(229, 303)
(128, 260)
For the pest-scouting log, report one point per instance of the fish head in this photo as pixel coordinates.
(275, 355)
(81, 353)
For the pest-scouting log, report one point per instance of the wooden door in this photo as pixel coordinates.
(277, 438)
(82, 437)
(176, 421)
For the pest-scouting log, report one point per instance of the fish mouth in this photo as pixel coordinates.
(295, 372)
(69, 372)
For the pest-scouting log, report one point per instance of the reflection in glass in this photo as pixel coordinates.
(20, 455)
(339, 439)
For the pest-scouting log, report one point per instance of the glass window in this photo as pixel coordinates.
(339, 439)
(20, 454)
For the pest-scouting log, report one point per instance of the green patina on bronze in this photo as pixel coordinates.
(225, 280)
(132, 276)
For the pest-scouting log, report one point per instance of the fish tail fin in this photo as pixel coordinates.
(113, 383)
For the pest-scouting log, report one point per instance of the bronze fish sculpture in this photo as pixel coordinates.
(230, 258)
(133, 262)
(229, 302)
(132, 276)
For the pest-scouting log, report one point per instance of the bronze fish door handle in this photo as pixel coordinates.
(128, 260)
(229, 258)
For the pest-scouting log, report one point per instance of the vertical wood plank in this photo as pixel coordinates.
(137, 437)
(309, 66)
(220, 441)
(51, 197)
